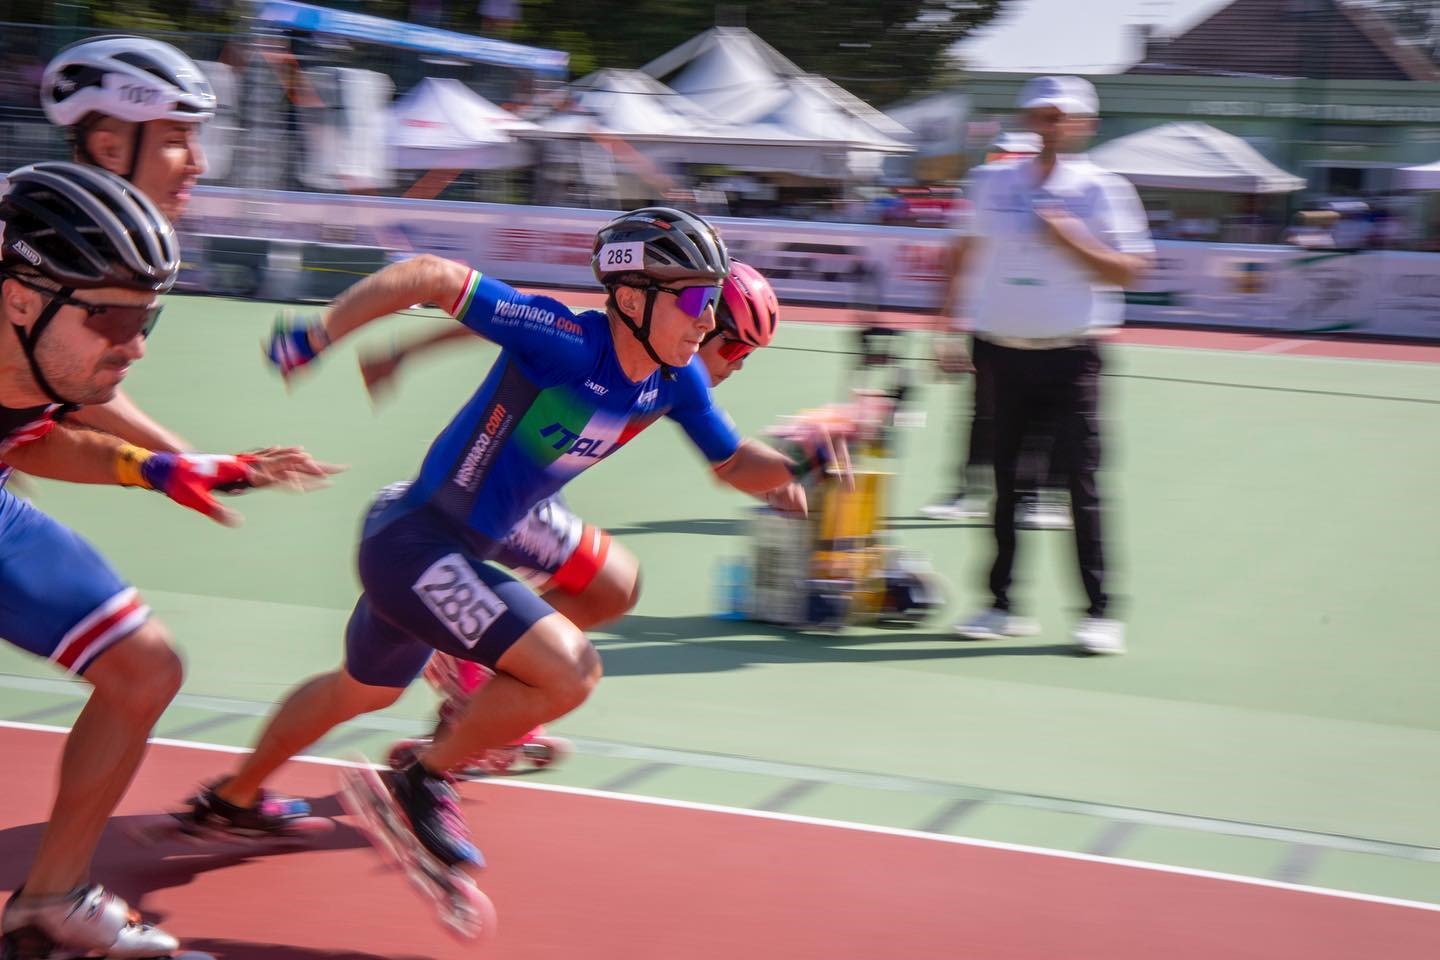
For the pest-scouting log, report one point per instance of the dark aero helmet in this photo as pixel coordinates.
(660, 244)
(654, 247)
(79, 227)
(84, 227)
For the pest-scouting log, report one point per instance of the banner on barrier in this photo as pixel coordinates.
(1288, 289)
(844, 264)
(1377, 293)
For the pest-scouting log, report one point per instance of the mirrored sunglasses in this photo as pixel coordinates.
(733, 351)
(694, 300)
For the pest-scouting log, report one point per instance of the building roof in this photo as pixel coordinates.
(1329, 39)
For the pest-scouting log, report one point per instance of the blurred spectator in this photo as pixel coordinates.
(1351, 228)
(1247, 225)
(1196, 225)
(20, 75)
(1430, 238)
(499, 16)
(429, 13)
(1162, 222)
(1387, 230)
(974, 466)
(1313, 230)
(1057, 238)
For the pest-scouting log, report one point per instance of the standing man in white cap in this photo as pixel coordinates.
(1055, 242)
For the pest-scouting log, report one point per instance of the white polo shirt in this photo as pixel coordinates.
(1021, 283)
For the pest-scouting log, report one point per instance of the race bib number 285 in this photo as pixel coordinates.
(619, 257)
(452, 591)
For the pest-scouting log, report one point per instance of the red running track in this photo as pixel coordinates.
(579, 875)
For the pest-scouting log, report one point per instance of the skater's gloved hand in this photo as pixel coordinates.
(192, 480)
(820, 449)
(188, 479)
(295, 341)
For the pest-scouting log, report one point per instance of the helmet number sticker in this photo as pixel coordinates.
(622, 256)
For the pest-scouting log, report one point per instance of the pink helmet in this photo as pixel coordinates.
(749, 310)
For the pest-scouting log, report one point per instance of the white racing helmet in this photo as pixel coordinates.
(129, 78)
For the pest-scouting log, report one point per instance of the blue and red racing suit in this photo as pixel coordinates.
(555, 403)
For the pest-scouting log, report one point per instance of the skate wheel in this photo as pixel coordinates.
(545, 751)
(470, 915)
(403, 753)
(497, 761)
(361, 793)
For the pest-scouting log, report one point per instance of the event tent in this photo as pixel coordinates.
(668, 128)
(444, 125)
(737, 77)
(1193, 156)
(1426, 177)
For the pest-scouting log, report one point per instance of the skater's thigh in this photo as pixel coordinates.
(378, 654)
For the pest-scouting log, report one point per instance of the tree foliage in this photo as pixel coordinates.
(881, 50)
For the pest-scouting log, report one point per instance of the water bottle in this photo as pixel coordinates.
(732, 589)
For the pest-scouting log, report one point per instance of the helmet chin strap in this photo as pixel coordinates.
(28, 340)
(642, 331)
(136, 142)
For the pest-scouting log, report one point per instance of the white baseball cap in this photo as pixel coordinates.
(1072, 96)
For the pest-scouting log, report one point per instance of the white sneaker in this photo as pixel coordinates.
(996, 625)
(1043, 515)
(969, 507)
(1100, 635)
(91, 920)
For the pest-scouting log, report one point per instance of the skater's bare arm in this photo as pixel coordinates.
(378, 367)
(756, 468)
(123, 418)
(297, 340)
(422, 279)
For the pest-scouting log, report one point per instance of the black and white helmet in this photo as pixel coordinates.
(128, 78)
(660, 244)
(84, 227)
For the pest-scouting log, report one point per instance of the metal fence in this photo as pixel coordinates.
(282, 114)
(287, 120)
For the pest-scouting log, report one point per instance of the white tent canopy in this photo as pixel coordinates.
(736, 76)
(444, 125)
(729, 71)
(1193, 156)
(667, 128)
(1425, 177)
(628, 103)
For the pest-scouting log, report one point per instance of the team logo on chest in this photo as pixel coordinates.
(572, 444)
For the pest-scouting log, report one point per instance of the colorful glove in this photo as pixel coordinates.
(813, 460)
(189, 479)
(295, 341)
